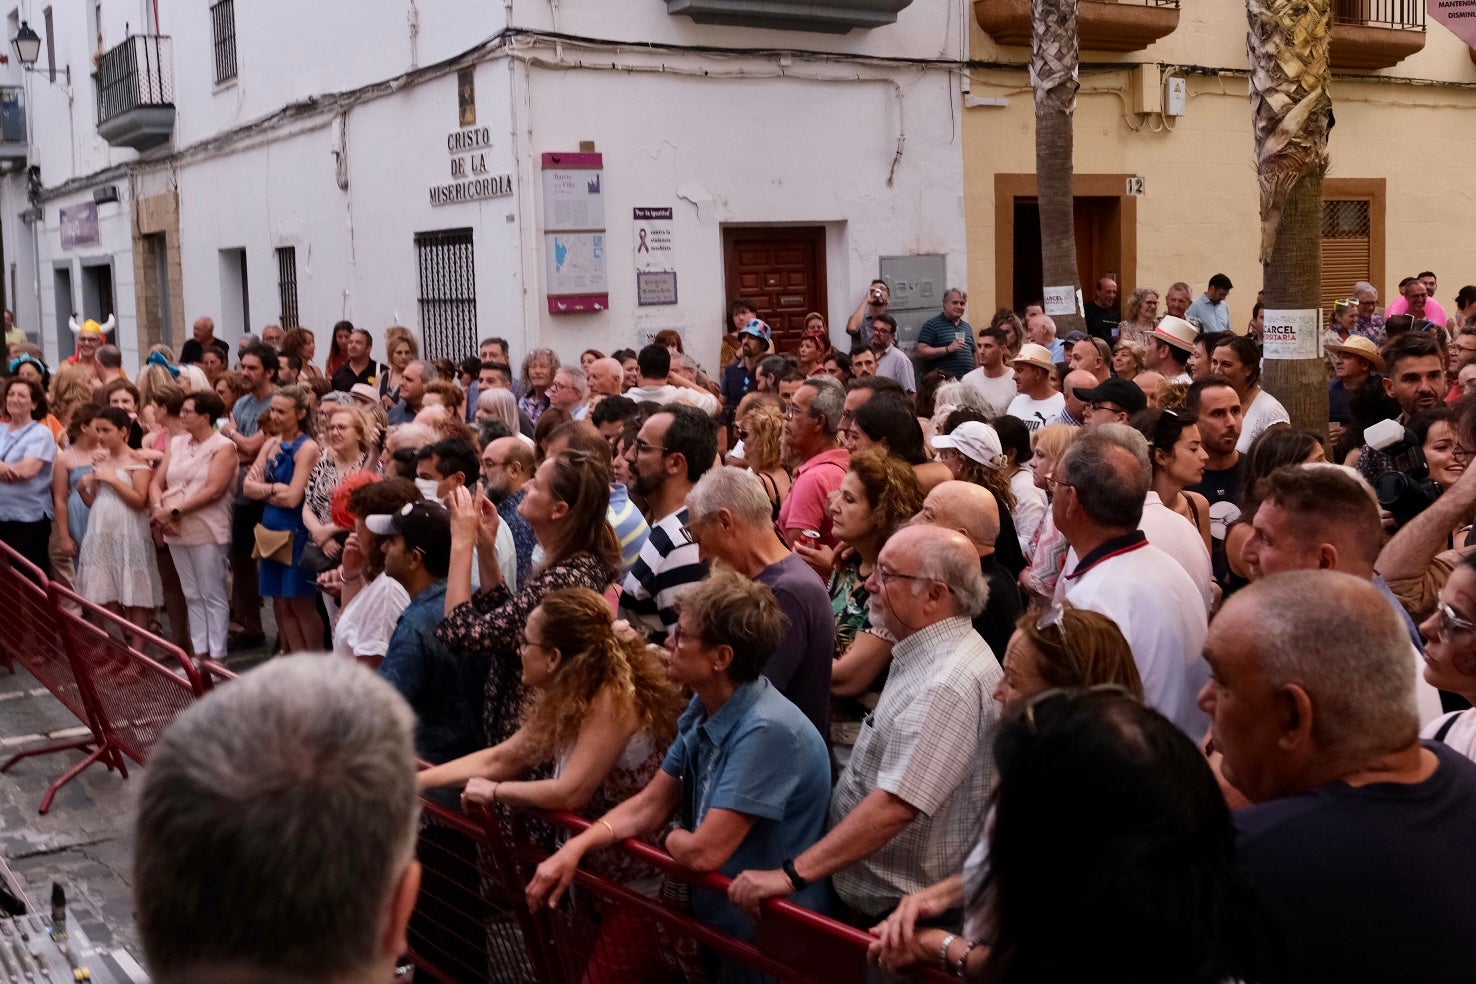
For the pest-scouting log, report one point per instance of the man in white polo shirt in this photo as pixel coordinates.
(1037, 402)
(1099, 490)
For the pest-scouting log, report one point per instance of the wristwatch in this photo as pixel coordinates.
(793, 875)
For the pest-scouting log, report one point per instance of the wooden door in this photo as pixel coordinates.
(781, 269)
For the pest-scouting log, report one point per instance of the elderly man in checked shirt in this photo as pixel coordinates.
(910, 805)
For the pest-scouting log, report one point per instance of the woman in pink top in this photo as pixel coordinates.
(191, 506)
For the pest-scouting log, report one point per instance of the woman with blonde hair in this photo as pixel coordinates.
(401, 349)
(1048, 551)
(348, 442)
(502, 405)
(1129, 358)
(760, 429)
(72, 385)
(1140, 317)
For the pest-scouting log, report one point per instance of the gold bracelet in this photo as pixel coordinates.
(611, 829)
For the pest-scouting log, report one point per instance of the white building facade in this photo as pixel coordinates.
(575, 176)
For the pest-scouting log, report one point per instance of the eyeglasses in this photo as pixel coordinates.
(1031, 709)
(883, 574)
(1448, 622)
(525, 643)
(677, 635)
(1052, 483)
(1099, 407)
(1055, 617)
(642, 447)
(794, 409)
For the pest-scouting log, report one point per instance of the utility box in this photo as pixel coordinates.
(1146, 83)
(1178, 96)
(917, 284)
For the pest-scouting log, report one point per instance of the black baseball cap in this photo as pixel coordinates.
(1122, 392)
(425, 525)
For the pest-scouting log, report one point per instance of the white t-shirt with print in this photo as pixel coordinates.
(1037, 413)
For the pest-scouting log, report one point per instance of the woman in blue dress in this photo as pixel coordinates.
(279, 478)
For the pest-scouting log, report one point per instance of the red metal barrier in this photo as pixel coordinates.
(31, 634)
(603, 932)
(124, 684)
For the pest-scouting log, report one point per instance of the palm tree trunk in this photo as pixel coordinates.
(1053, 63)
(1292, 113)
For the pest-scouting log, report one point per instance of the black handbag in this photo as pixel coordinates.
(315, 561)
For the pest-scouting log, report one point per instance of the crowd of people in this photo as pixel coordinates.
(1025, 630)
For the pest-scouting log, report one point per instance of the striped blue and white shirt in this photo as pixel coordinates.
(668, 564)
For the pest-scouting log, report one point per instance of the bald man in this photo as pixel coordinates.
(973, 511)
(1149, 382)
(922, 770)
(605, 378)
(1075, 413)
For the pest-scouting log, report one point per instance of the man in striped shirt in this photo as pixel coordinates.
(674, 448)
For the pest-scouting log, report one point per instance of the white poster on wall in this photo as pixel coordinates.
(1292, 334)
(1060, 300)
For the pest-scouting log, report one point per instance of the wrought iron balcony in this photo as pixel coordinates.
(12, 123)
(1102, 25)
(135, 92)
(1370, 34)
(825, 16)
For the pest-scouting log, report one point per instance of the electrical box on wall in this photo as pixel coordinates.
(1177, 98)
(1147, 87)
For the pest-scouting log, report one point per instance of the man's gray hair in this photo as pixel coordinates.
(427, 369)
(830, 400)
(948, 558)
(955, 290)
(737, 490)
(957, 393)
(1364, 287)
(411, 435)
(275, 821)
(577, 377)
(1109, 472)
(1335, 636)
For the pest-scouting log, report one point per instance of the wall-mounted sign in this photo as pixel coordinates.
(466, 97)
(574, 233)
(655, 287)
(1291, 334)
(79, 226)
(1060, 300)
(471, 178)
(655, 257)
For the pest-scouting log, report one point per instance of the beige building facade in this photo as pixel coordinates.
(1401, 190)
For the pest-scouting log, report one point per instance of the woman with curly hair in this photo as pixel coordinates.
(1139, 317)
(538, 372)
(760, 429)
(876, 498)
(602, 712)
(72, 385)
(302, 343)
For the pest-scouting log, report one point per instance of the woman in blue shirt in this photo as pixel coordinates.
(748, 775)
(27, 451)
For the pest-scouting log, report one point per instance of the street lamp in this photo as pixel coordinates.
(27, 45)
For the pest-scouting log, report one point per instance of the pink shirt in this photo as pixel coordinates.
(189, 470)
(1433, 311)
(804, 507)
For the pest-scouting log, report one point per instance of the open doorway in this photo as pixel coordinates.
(97, 291)
(1106, 221)
(65, 308)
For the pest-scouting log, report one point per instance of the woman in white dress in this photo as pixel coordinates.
(116, 561)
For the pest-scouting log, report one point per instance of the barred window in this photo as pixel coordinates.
(287, 286)
(1347, 248)
(223, 26)
(448, 293)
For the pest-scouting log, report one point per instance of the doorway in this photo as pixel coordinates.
(97, 291)
(781, 270)
(62, 285)
(1106, 226)
(235, 295)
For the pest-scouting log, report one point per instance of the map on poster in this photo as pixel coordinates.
(576, 263)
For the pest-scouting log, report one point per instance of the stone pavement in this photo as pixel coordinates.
(85, 840)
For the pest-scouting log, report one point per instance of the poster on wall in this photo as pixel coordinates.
(79, 226)
(574, 233)
(655, 257)
(1292, 334)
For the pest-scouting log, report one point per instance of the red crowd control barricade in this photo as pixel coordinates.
(140, 681)
(124, 684)
(605, 932)
(30, 632)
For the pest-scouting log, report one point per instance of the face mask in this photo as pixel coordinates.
(428, 488)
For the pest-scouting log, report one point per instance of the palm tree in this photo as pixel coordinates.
(1292, 113)
(1053, 61)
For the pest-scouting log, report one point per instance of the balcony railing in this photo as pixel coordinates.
(1102, 25)
(1405, 15)
(825, 16)
(12, 123)
(135, 92)
(1370, 34)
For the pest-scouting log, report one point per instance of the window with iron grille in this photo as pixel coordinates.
(223, 25)
(287, 285)
(1347, 247)
(448, 293)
